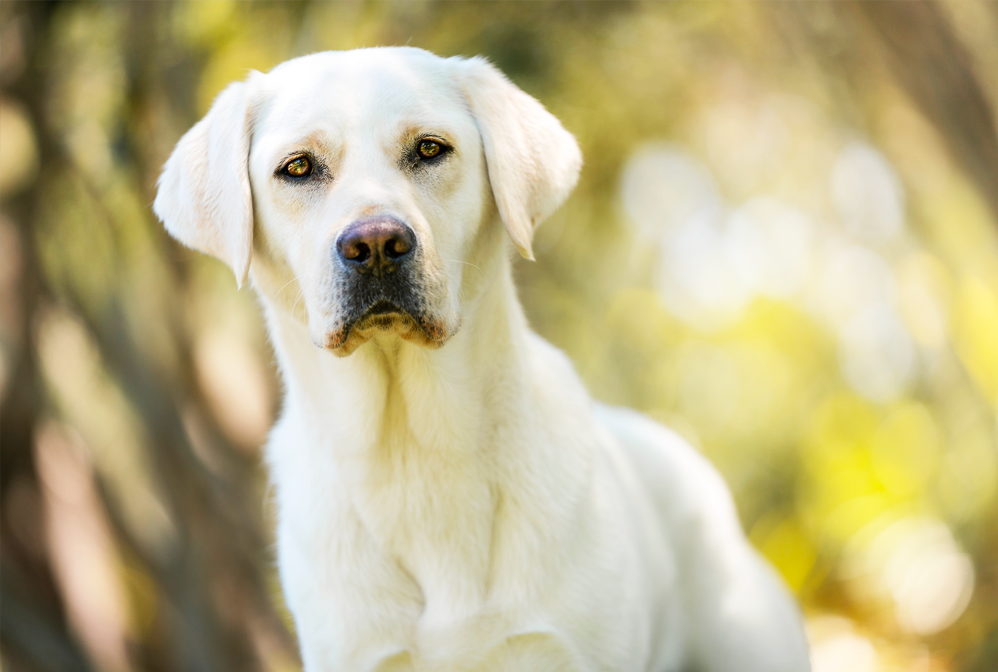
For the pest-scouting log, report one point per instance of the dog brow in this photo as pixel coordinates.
(317, 140)
(410, 129)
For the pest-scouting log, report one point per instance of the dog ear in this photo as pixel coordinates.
(533, 162)
(203, 195)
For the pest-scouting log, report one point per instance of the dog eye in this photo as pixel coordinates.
(298, 167)
(429, 149)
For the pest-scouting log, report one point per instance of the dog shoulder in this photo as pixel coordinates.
(741, 615)
(686, 488)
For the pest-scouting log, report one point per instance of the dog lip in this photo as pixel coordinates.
(384, 315)
(381, 308)
(380, 315)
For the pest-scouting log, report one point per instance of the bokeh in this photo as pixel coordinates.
(784, 245)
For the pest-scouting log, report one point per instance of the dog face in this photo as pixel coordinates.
(356, 185)
(370, 198)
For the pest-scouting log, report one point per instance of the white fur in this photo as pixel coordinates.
(466, 507)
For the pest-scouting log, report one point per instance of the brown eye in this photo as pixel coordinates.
(428, 149)
(299, 167)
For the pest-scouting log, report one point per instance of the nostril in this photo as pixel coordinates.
(362, 252)
(352, 249)
(396, 247)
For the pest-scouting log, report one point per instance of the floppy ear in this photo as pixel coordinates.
(533, 162)
(203, 196)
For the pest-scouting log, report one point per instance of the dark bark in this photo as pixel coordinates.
(935, 68)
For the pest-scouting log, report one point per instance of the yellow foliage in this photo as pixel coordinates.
(976, 331)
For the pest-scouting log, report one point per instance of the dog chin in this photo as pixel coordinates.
(350, 335)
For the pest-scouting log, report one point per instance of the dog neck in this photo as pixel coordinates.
(417, 441)
(389, 387)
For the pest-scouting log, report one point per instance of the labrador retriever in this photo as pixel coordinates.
(449, 496)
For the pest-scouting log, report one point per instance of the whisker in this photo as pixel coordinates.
(301, 292)
(285, 285)
(466, 263)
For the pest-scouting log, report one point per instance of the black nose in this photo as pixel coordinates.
(376, 246)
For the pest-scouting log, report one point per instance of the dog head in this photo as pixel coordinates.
(355, 187)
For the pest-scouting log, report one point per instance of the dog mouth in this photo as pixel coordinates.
(382, 308)
(384, 316)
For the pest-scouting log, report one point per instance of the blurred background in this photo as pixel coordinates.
(784, 245)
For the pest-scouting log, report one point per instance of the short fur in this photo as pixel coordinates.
(449, 496)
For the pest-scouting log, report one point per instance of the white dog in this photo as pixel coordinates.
(450, 498)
